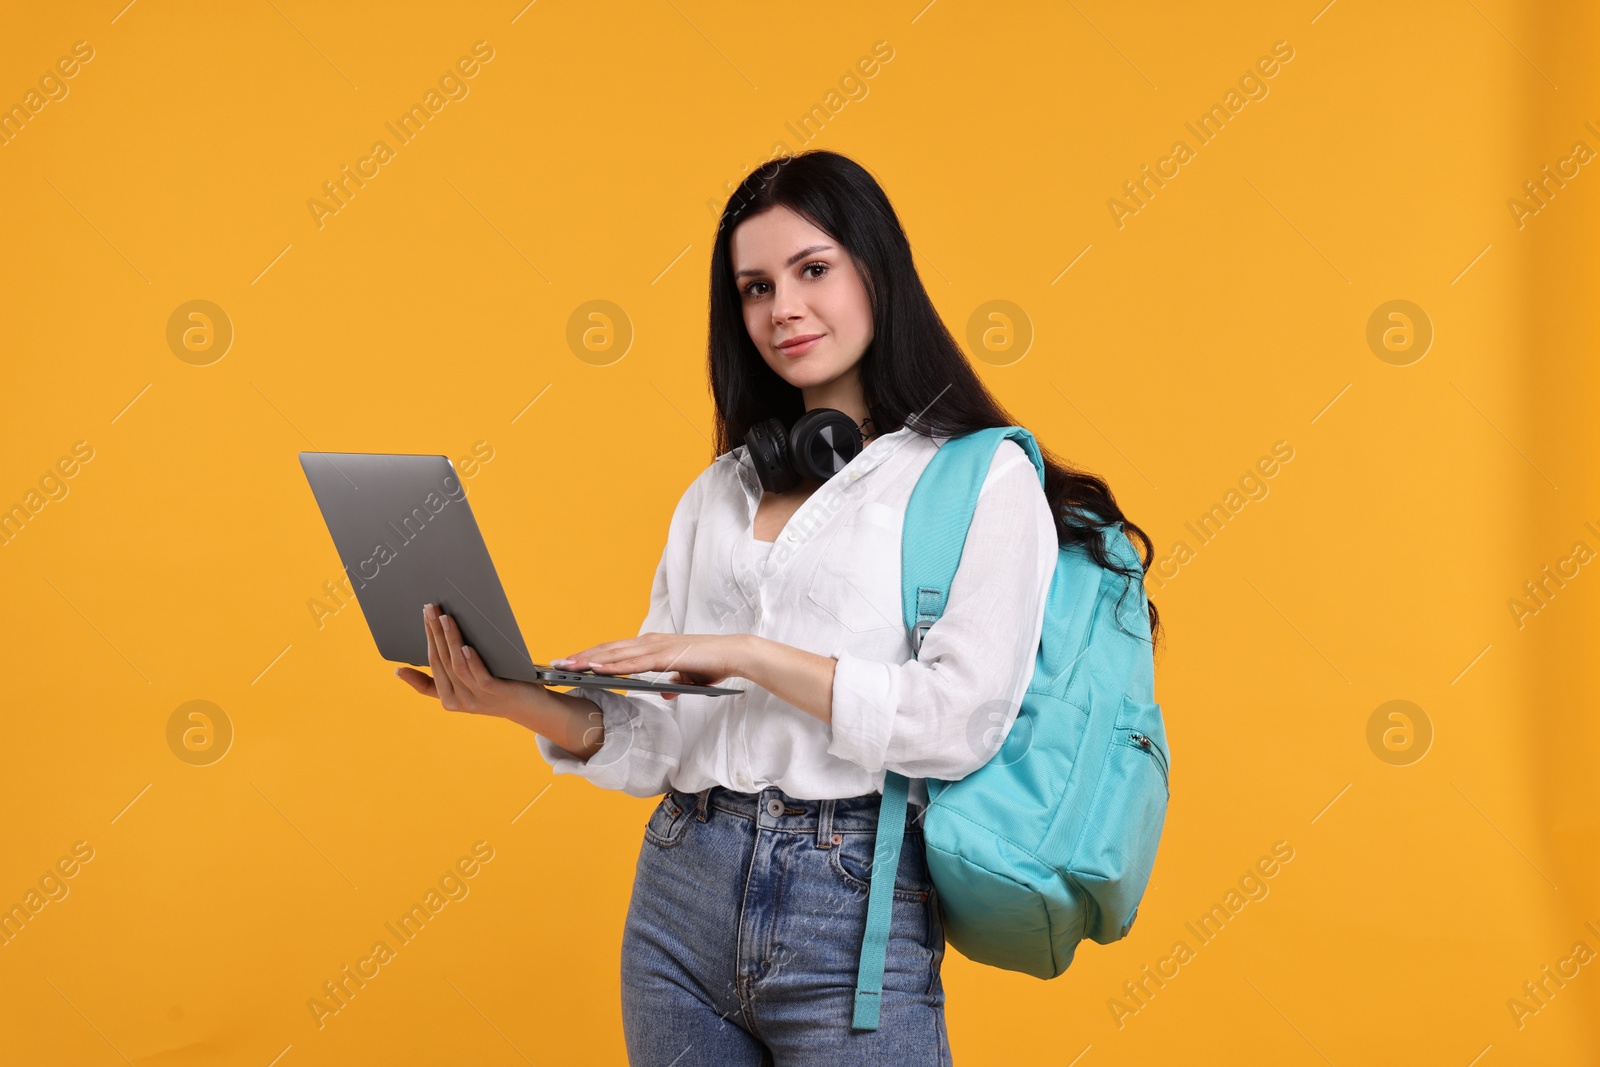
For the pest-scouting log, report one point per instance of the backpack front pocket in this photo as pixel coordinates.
(1114, 855)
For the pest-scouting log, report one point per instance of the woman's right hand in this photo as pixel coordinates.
(460, 680)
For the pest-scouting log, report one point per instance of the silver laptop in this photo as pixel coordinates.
(406, 537)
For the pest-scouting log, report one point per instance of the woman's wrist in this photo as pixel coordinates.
(573, 722)
(763, 661)
(751, 657)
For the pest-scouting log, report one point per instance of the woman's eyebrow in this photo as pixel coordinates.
(791, 261)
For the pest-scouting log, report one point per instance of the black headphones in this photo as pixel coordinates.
(818, 446)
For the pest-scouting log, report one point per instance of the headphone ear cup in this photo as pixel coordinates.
(822, 442)
(768, 445)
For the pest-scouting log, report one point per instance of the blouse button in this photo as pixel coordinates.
(793, 536)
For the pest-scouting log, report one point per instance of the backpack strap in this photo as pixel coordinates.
(880, 901)
(937, 517)
(938, 514)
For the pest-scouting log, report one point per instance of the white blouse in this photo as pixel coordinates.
(830, 584)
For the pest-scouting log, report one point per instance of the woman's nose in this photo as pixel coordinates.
(785, 305)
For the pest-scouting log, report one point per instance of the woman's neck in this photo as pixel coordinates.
(842, 394)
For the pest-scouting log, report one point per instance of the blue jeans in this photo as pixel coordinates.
(744, 934)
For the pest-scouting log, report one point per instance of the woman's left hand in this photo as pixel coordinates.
(697, 659)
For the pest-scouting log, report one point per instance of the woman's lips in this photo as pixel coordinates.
(802, 348)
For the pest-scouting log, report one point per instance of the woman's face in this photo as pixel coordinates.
(795, 282)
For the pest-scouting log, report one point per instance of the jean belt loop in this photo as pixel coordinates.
(701, 799)
(825, 824)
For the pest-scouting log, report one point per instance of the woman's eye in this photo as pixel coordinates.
(749, 290)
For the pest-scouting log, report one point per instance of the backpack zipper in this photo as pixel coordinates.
(1143, 741)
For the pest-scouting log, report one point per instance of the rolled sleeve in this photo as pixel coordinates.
(945, 713)
(862, 688)
(640, 750)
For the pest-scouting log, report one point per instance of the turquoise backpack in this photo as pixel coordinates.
(1053, 839)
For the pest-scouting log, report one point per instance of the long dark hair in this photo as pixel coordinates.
(912, 368)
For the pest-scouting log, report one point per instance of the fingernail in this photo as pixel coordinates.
(562, 662)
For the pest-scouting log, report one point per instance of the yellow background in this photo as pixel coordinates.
(1228, 314)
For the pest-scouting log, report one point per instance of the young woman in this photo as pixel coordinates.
(749, 902)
